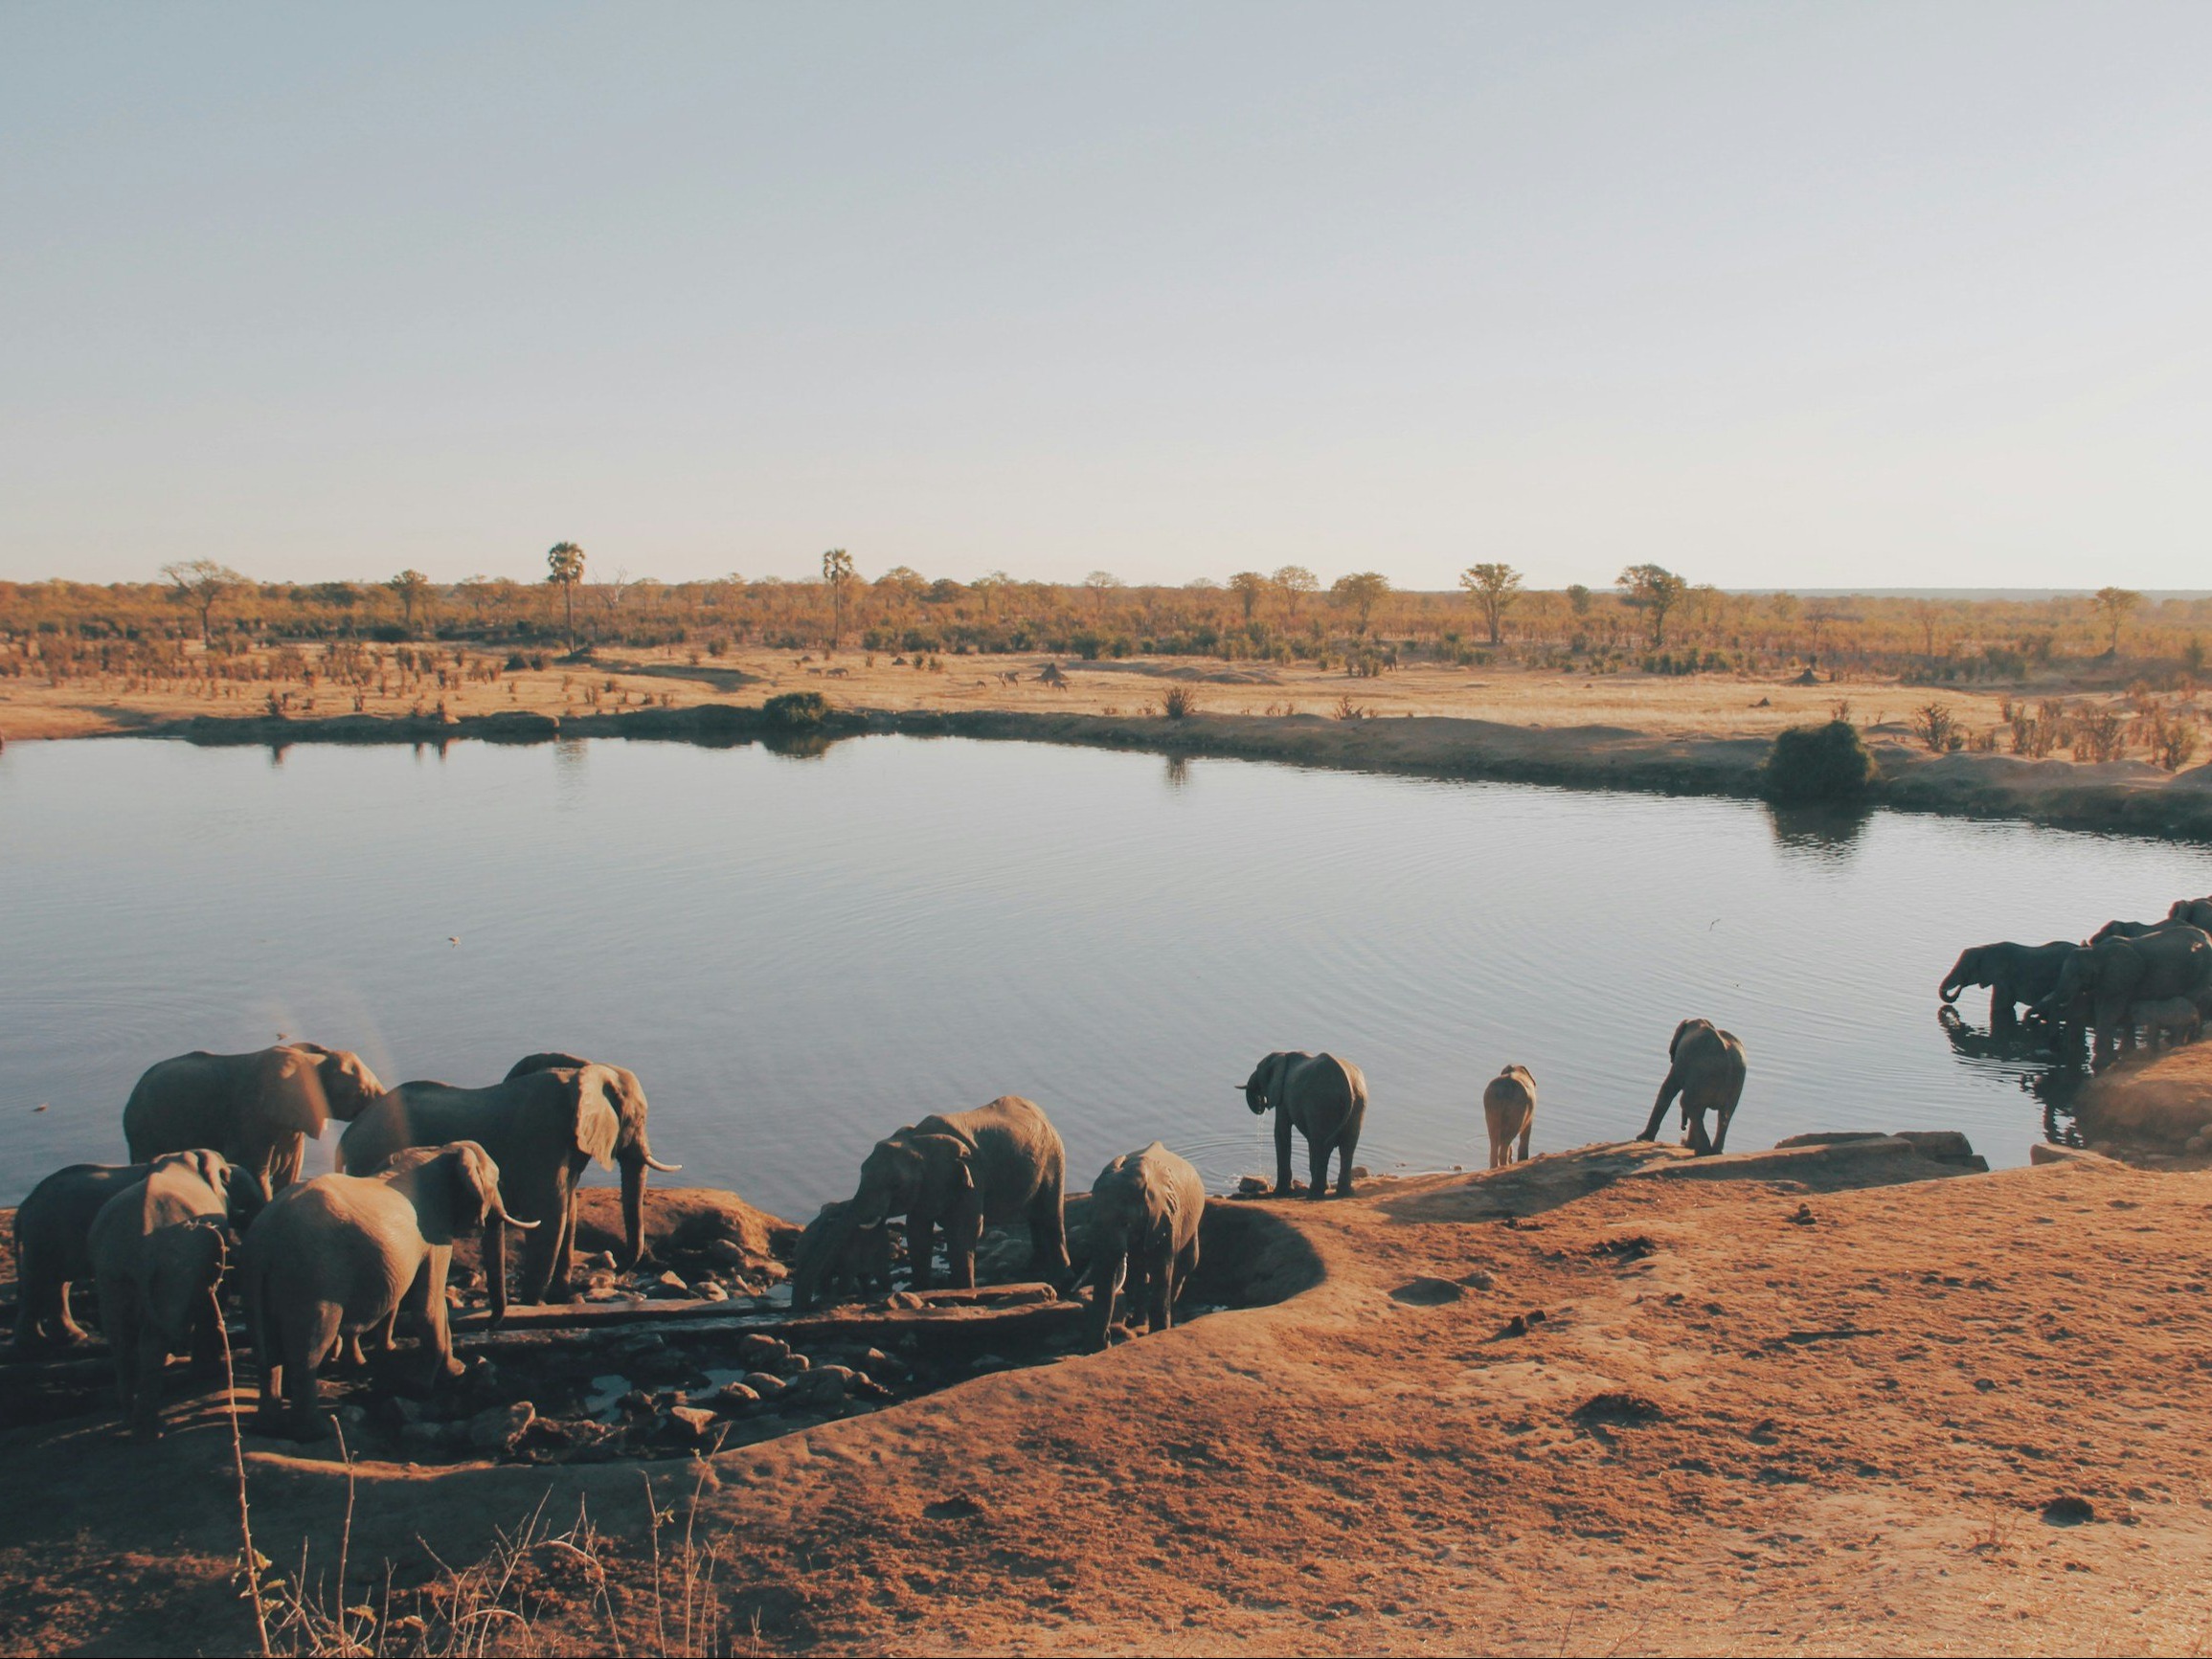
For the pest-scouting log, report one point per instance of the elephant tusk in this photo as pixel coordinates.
(526, 1226)
(654, 1163)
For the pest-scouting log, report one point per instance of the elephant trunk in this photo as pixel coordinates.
(1948, 990)
(634, 1207)
(495, 1266)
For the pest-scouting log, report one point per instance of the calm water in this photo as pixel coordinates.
(799, 954)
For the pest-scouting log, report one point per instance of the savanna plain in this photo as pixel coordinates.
(1853, 1393)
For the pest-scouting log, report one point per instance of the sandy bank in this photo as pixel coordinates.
(1780, 1412)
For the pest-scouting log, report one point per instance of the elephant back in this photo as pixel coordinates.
(1017, 1152)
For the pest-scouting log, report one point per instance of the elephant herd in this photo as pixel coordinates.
(2127, 979)
(212, 1200)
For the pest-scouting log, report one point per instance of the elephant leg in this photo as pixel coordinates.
(540, 1250)
(145, 1404)
(1658, 1109)
(1163, 1288)
(1528, 1133)
(1700, 1146)
(963, 1232)
(1721, 1118)
(1049, 1236)
(564, 1279)
(314, 1331)
(1318, 1148)
(119, 1319)
(1348, 1143)
(1283, 1151)
(1107, 1274)
(440, 1339)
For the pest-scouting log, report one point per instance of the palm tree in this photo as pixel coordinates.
(566, 562)
(837, 571)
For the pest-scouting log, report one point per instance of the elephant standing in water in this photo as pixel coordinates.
(541, 1125)
(2015, 973)
(1509, 1104)
(157, 1250)
(962, 1171)
(53, 1247)
(2171, 960)
(1708, 1072)
(257, 1110)
(1145, 1208)
(1325, 1099)
(336, 1256)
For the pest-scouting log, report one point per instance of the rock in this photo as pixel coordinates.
(714, 1293)
(670, 1287)
(604, 1261)
(760, 1351)
(1520, 1324)
(733, 1398)
(988, 1363)
(406, 1410)
(429, 1436)
(500, 1428)
(905, 1299)
(2044, 1151)
(795, 1362)
(726, 1253)
(1618, 1408)
(688, 1425)
(2069, 1510)
(1478, 1280)
(1252, 1187)
(684, 1220)
(1804, 1217)
(1361, 1172)
(634, 1404)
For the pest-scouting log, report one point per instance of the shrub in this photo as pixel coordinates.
(1812, 763)
(796, 711)
(1178, 703)
(1933, 725)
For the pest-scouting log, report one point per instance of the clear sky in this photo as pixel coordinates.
(1893, 295)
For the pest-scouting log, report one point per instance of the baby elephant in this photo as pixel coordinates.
(836, 1253)
(1145, 1207)
(336, 1256)
(1510, 1102)
(53, 1247)
(157, 1254)
(2166, 1021)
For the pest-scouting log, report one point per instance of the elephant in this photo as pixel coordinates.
(2197, 912)
(257, 1110)
(1708, 1072)
(53, 1247)
(2129, 929)
(2169, 1020)
(542, 1124)
(837, 1253)
(1510, 1102)
(1320, 1096)
(962, 1171)
(2173, 961)
(158, 1251)
(339, 1255)
(2015, 973)
(1145, 1207)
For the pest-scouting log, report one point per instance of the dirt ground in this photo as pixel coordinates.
(1700, 704)
(1765, 1409)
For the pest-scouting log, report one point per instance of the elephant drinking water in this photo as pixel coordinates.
(2174, 959)
(962, 1171)
(542, 1124)
(1322, 1097)
(1707, 1072)
(2015, 973)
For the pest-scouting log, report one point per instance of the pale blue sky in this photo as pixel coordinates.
(1820, 295)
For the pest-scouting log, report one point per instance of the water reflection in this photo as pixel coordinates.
(2048, 1063)
(796, 744)
(1178, 771)
(1819, 834)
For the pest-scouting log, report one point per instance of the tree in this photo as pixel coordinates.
(1495, 587)
(1251, 587)
(411, 587)
(1296, 582)
(2117, 603)
(203, 584)
(1652, 589)
(837, 571)
(566, 564)
(1101, 583)
(1578, 598)
(1361, 592)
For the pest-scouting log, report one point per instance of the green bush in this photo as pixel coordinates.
(1826, 762)
(796, 711)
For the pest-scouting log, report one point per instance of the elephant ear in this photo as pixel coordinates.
(598, 1123)
(548, 1061)
(1676, 1041)
(289, 1093)
(947, 1155)
(629, 1096)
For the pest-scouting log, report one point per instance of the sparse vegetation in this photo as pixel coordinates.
(1178, 703)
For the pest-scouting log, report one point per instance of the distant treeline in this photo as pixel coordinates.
(1650, 618)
